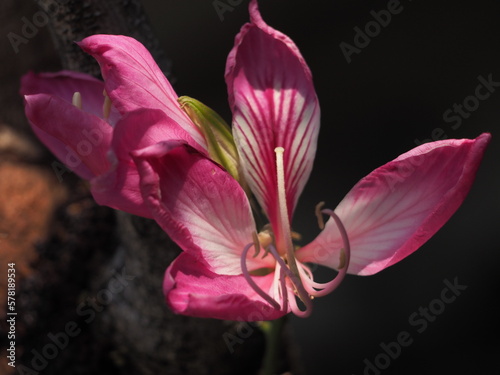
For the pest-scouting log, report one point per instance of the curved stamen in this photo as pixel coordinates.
(295, 308)
(307, 278)
(345, 257)
(284, 292)
(312, 287)
(252, 283)
(297, 283)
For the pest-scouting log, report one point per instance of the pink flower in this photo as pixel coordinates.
(229, 271)
(94, 131)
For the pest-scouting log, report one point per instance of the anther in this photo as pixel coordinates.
(296, 236)
(342, 259)
(77, 100)
(319, 215)
(256, 243)
(265, 238)
(106, 108)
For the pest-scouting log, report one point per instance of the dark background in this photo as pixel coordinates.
(391, 95)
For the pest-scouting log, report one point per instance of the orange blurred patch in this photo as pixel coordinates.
(29, 195)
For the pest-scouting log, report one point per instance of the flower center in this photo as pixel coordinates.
(296, 282)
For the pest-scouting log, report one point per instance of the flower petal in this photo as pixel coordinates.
(134, 81)
(200, 206)
(395, 209)
(64, 84)
(274, 104)
(191, 289)
(79, 139)
(119, 187)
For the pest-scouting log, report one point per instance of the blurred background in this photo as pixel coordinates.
(390, 97)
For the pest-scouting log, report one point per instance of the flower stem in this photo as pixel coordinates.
(273, 330)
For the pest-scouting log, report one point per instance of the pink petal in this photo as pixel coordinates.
(79, 139)
(191, 289)
(119, 187)
(64, 84)
(200, 206)
(134, 81)
(395, 209)
(274, 104)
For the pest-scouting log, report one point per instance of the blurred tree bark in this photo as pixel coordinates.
(73, 20)
(99, 272)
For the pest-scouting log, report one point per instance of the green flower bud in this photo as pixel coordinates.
(217, 133)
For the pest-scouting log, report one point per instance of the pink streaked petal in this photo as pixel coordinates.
(133, 80)
(64, 84)
(395, 209)
(274, 104)
(200, 206)
(191, 289)
(119, 187)
(79, 139)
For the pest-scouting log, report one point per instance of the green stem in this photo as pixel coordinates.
(273, 330)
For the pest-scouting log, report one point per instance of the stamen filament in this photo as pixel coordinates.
(308, 282)
(297, 282)
(345, 257)
(295, 308)
(252, 283)
(283, 291)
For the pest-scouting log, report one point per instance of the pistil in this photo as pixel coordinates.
(284, 239)
(285, 236)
